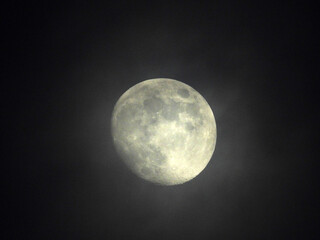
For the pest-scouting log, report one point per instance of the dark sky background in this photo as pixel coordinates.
(66, 66)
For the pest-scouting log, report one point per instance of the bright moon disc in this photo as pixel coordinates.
(164, 131)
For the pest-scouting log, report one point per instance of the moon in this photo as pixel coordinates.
(164, 131)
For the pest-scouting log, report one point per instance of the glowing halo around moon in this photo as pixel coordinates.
(164, 131)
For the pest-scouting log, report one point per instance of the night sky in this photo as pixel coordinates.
(65, 66)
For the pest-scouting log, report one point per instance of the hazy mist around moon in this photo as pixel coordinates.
(164, 131)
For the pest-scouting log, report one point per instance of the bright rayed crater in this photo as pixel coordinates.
(164, 131)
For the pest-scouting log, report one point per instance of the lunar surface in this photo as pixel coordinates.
(164, 131)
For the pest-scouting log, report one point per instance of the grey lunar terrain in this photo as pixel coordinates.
(164, 131)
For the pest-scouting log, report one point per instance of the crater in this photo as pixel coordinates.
(127, 119)
(189, 126)
(192, 109)
(171, 111)
(153, 121)
(156, 92)
(156, 157)
(128, 112)
(145, 137)
(146, 170)
(183, 93)
(158, 171)
(153, 105)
